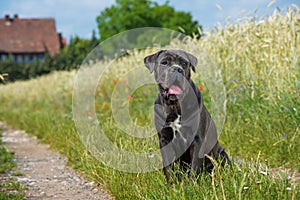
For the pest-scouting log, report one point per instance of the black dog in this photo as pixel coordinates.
(185, 128)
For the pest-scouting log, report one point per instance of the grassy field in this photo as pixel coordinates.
(259, 65)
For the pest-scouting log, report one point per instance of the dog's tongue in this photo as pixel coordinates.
(174, 90)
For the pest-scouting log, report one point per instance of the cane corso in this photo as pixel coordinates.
(185, 128)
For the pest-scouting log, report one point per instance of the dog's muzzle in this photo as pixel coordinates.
(177, 69)
(174, 83)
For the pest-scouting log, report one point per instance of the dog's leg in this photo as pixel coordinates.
(196, 162)
(166, 165)
(223, 156)
(167, 153)
(169, 157)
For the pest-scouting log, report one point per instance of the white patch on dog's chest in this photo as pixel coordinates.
(176, 125)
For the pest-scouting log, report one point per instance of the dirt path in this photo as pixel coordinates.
(47, 176)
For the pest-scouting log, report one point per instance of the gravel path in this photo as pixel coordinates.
(47, 176)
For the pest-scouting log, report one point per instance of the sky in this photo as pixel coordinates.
(79, 17)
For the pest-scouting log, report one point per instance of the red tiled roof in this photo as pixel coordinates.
(22, 46)
(29, 36)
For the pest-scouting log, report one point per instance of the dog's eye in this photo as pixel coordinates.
(184, 63)
(164, 62)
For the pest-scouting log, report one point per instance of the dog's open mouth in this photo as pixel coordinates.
(172, 92)
(175, 90)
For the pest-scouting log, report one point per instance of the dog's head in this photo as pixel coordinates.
(172, 71)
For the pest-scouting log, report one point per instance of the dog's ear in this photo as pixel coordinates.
(150, 61)
(193, 60)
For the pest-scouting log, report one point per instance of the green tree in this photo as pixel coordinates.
(129, 14)
(94, 41)
(74, 53)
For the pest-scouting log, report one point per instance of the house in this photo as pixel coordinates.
(27, 39)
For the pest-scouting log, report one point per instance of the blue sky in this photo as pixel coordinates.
(79, 17)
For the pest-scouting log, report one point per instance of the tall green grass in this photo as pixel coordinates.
(259, 65)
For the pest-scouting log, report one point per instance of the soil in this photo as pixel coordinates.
(47, 175)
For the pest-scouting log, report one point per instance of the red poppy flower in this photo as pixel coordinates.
(130, 98)
(200, 88)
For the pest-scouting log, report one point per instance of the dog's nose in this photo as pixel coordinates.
(178, 69)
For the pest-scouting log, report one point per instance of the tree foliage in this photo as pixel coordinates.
(130, 14)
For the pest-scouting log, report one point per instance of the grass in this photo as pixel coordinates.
(6, 157)
(259, 65)
(9, 187)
